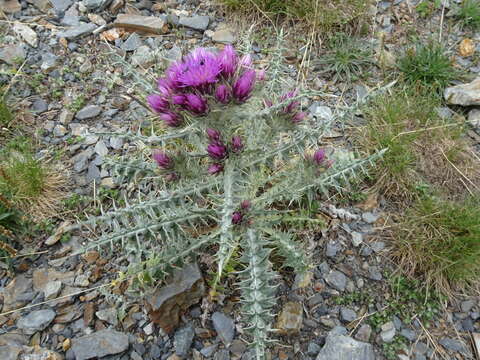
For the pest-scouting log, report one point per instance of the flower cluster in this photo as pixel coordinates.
(320, 159)
(202, 77)
(166, 163)
(239, 215)
(219, 151)
(292, 109)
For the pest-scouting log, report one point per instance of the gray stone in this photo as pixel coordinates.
(10, 352)
(109, 315)
(357, 238)
(388, 332)
(369, 217)
(409, 334)
(10, 6)
(377, 246)
(364, 333)
(453, 345)
(116, 143)
(347, 315)
(59, 130)
(39, 106)
(77, 31)
(88, 112)
(467, 305)
(464, 94)
(321, 112)
(99, 344)
(224, 36)
(197, 22)
(444, 112)
(336, 279)
(167, 303)
(132, 43)
(14, 294)
(182, 340)
(52, 289)
(148, 24)
(71, 18)
(96, 5)
(143, 56)
(81, 280)
(467, 325)
(341, 347)
(290, 319)
(26, 33)
(208, 351)
(12, 54)
(36, 321)
(222, 355)
(313, 348)
(224, 326)
(332, 248)
(61, 5)
(374, 273)
(101, 149)
(474, 118)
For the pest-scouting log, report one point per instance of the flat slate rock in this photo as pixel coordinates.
(77, 31)
(36, 321)
(195, 22)
(99, 344)
(341, 347)
(148, 24)
(61, 5)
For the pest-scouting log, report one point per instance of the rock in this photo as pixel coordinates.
(408, 334)
(224, 36)
(36, 321)
(77, 31)
(101, 149)
(336, 279)
(66, 116)
(17, 293)
(116, 143)
(222, 354)
(96, 5)
(333, 247)
(59, 130)
(374, 273)
(49, 62)
(224, 326)
(71, 18)
(474, 118)
(466, 47)
(10, 352)
(467, 305)
(26, 33)
(465, 94)
(147, 24)
(182, 340)
(369, 217)
(61, 5)
(97, 19)
(12, 54)
(10, 6)
(143, 56)
(52, 289)
(39, 106)
(195, 22)
(167, 303)
(388, 332)
(347, 315)
(88, 112)
(132, 43)
(99, 344)
(290, 319)
(357, 238)
(313, 348)
(453, 345)
(364, 333)
(109, 315)
(81, 280)
(341, 347)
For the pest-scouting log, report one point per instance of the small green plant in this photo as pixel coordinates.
(356, 297)
(77, 103)
(6, 116)
(428, 66)
(347, 57)
(427, 7)
(468, 13)
(439, 241)
(390, 350)
(75, 202)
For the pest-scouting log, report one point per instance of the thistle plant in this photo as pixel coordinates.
(236, 151)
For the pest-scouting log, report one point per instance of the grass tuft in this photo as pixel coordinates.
(440, 240)
(347, 57)
(468, 13)
(6, 116)
(428, 66)
(322, 14)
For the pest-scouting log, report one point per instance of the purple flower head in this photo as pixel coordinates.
(243, 87)
(261, 74)
(171, 119)
(162, 159)
(213, 135)
(237, 218)
(237, 144)
(215, 169)
(157, 103)
(217, 150)
(228, 60)
(245, 204)
(294, 104)
(164, 85)
(298, 117)
(246, 61)
(199, 69)
(179, 99)
(196, 104)
(222, 94)
(319, 156)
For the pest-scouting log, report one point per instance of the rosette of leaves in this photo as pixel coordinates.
(234, 152)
